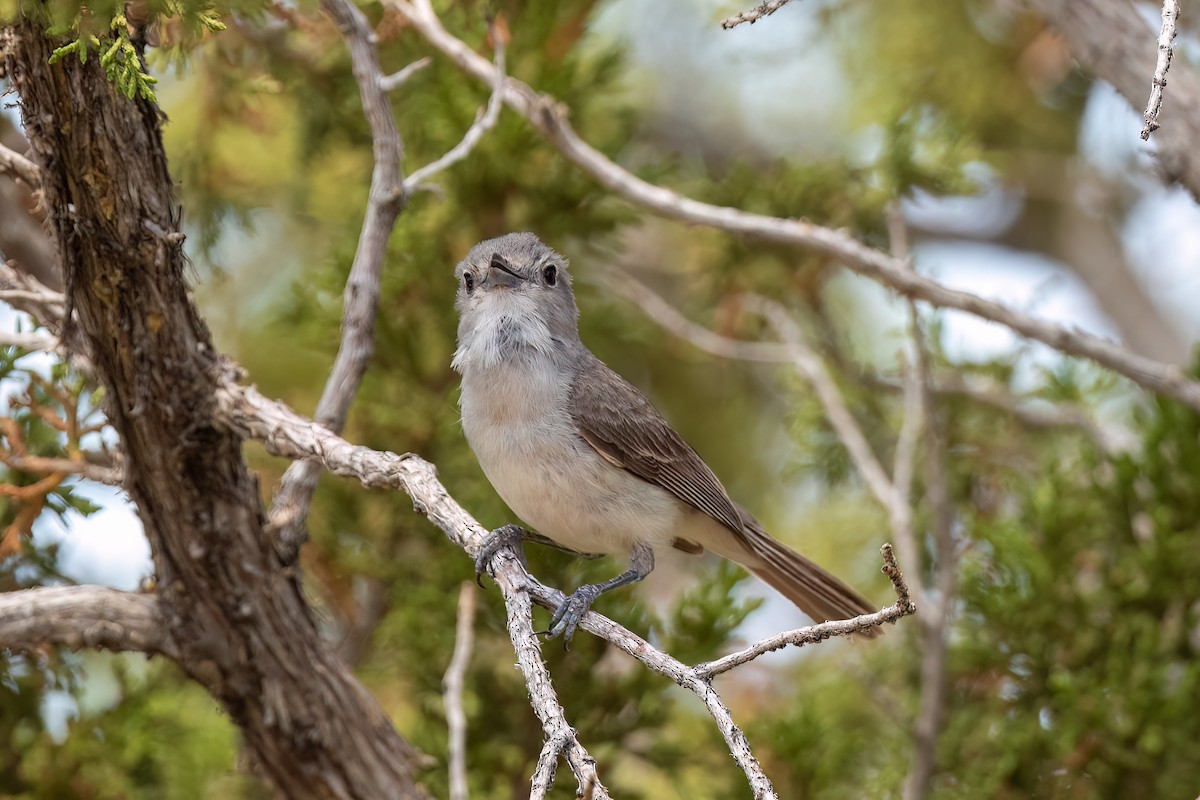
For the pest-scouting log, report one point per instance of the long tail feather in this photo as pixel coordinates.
(811, 588)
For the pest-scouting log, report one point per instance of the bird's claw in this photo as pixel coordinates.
(566, 618)
(509, 537)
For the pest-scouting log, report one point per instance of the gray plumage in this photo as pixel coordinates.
(580, 454)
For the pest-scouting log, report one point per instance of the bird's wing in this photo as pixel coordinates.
(623, 427)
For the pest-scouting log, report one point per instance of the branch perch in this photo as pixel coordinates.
(83, 616)
(286, 433)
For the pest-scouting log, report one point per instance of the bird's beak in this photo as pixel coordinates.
(499, 275)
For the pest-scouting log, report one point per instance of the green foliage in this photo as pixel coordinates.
(1073, 658)
(1081, 612)
(161, 737)
(119, 57)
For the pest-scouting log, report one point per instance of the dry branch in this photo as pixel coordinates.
(237, 620)
(550, 118)
(485, 120)
(1112, 41)
(398, 79)
(385, 201)
(755, 14)
(83, 616)
(19, 166)
(1166, 41)
(453, 686)
(286, 433)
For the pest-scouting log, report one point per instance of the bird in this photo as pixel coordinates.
(581, 456)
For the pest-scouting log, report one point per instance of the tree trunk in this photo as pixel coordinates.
(238, 618)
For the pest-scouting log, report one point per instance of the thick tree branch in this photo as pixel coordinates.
(385, 201)
(237, 619)
(84, 616)
(549, 117)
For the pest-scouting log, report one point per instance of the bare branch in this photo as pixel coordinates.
(1166, 40)
(1110, 40)
(33, 342)
(662, 312)
(398, 79)
(19, 166)
(755, 14)
(25, 293)
(709, 341)
(453, 683)
(83, 616)
(385, 201)
(900, 510)
(919, 405)
(550, 118)
(813, 634)
(286, 433)
(66, 466)
(485, 120)
(936, 623)
(813, 369)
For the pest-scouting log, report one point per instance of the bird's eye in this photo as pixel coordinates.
(550, 275)
(468, 281)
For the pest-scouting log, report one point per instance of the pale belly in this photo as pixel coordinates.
(554, 481)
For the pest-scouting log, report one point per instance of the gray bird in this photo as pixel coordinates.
(582, 456)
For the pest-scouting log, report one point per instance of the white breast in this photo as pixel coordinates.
(516, 421)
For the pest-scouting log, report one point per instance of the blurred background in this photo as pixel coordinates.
(1061, 661)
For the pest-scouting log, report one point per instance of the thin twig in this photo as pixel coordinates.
(485, 120)
(1166, 41)
(550, 118)
(813, 634)
(19, 166)
(919, 403)
(385, 201)
(755, 14)
(453, 684)
(813, 369)
(662, 312)
(709, 341)
(915, 419)
(398, 79)
(286, 433)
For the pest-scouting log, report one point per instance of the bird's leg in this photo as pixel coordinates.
(571, 610)
(513, 537)
(509, 537)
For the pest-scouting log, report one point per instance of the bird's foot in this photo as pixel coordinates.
(570, 611)
(510, 537)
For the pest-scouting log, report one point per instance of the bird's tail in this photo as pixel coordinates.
(811, 588)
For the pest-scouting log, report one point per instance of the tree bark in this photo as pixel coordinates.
(237, 619)
(1115, 43)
